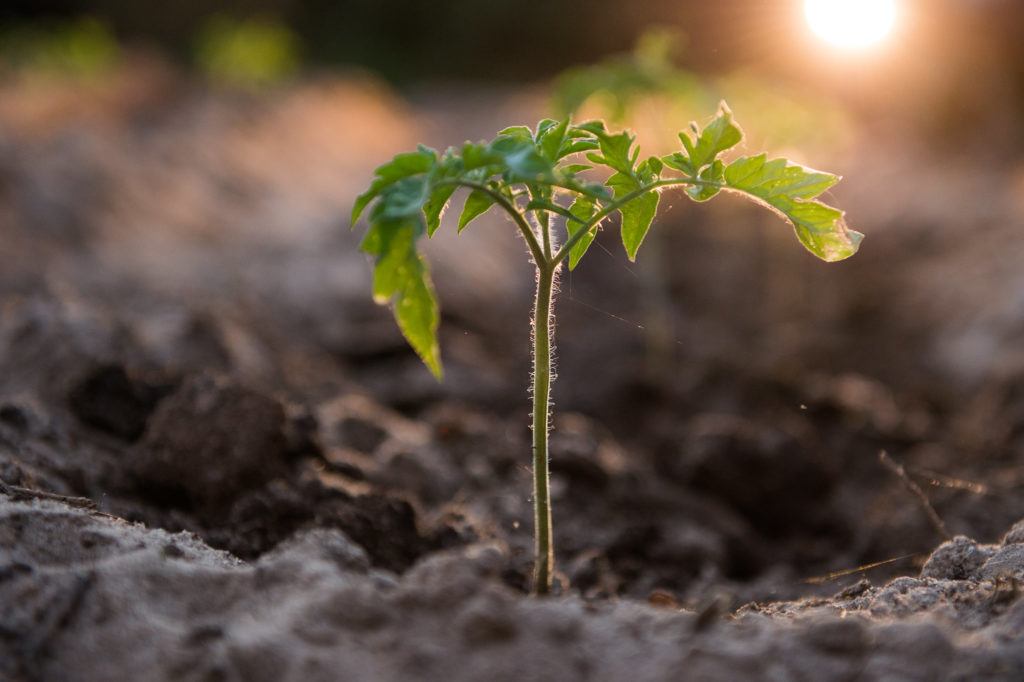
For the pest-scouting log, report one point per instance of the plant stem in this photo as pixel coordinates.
(524, 227)
(545, 552)
(545, 233)
(563, 252)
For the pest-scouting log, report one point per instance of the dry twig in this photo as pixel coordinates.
(916, 491)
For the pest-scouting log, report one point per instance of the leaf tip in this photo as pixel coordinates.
(433, 363)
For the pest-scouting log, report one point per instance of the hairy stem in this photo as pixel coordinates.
(545, 232)
(545, 552)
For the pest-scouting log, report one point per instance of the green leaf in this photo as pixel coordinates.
(434, 208)
(543, 126)
(719, 135)
(476, 156)
(637, 214)
(714, 173)
(790, 189)
(703, 148)
(401, 277)
(652, 165)
(523, 162)
(680, 162)
(583, 209)
(615, 152)
(594, 128)
(477, 204)
(552, 138)
(579, 145)
(401, 166)
(520, 132)
(404, 198)
(417, 314)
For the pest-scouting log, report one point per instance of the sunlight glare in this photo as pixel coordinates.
(850, 23)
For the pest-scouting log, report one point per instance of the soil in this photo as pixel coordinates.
(219, 461)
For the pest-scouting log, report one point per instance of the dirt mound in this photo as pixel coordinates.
(314, 609)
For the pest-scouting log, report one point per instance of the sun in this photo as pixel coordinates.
(851, 24)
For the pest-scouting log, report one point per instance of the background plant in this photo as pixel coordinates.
(647, 89)
(542, 179)
(246, 53)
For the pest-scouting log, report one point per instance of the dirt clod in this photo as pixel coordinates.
(957, 559)
(209, 441)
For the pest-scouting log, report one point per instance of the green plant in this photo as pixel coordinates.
(535, 177)
(621, 82)
(246, 53)
(84, 48)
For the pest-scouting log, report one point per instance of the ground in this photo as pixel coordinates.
(249, 476)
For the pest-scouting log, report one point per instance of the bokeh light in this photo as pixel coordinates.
(851, 24)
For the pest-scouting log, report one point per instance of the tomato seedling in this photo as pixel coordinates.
(535, 177)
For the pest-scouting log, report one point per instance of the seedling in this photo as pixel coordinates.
(535, 177)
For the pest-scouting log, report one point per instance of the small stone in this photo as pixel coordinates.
(958, 559)
(1015, 535)
(854, 590)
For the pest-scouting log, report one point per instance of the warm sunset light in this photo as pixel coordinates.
(850, 23)
(511, 340)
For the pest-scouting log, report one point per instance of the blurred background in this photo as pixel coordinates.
(175, 181)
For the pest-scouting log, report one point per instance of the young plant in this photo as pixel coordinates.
(534, 177)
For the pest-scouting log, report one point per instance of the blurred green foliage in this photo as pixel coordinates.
(83, 48)
(645, 89)
(246, 53)
(618, 83)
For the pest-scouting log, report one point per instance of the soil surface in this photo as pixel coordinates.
(219, 461)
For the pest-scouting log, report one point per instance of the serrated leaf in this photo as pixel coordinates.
(401, 166)
(403, 198)
(543, 126)
(400, 277)
(582, 209)
(702, 149)
(615, 150)
(552, 139)
(523, 162)
(417, 314)
(637, 214)
(651, 165)
(594, 127)
(475, 155)
(477, 204)
(579, 145)
(518, 132)
(434, 208)
(680, 162)
(712, 174)
(716, 137)
(791, 190)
